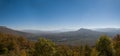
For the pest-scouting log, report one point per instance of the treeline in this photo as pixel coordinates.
(11, 45)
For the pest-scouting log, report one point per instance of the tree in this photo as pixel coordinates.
(76, 50)
(23, 53)
(87, 50)
(104, 46)
(44, 47)
(64, 50)
(94, 52)
(3, 51)
(81, 50)
(116, 42)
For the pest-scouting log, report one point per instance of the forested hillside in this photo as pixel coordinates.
(6, 30)
(13, 45)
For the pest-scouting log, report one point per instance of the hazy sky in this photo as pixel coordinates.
(59, 14)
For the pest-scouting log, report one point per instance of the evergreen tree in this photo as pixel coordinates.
(104, 46)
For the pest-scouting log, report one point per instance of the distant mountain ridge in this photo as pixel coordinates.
(80, 36)
(108, 29)
(7, 30)
(40, 32)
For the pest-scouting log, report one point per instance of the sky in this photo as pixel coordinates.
(59, 14)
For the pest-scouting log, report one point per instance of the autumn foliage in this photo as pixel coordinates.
(11, 45)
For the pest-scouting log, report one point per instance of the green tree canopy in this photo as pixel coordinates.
(104, 46)
(44, 47)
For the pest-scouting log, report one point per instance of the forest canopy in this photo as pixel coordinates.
(11, 45)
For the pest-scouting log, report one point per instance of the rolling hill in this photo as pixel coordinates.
(7, 30)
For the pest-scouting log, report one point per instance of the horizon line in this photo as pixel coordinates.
(55, 29)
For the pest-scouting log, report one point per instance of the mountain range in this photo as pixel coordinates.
(81, 36)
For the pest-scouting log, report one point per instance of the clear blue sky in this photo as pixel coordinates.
(59, 14)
